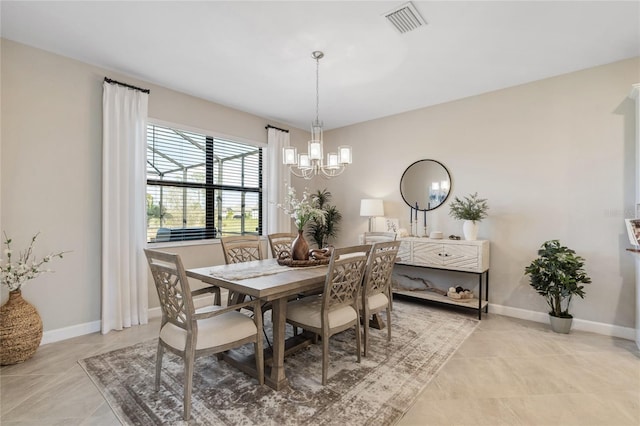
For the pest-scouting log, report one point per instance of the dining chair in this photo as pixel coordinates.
(376, 295)
(238, 249)
(191, 333)
(374, 237)
(336, 309)
(280, 241)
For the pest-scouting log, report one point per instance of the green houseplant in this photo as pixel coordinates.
(472, 210)
(322, 231)
(558, 274)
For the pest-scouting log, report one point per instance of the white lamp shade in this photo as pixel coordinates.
(315, 150)
(332, 160)
(304, 162)
(289, 155)
(371, 208)
(344, 154)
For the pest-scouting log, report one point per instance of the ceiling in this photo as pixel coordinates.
(256, 56)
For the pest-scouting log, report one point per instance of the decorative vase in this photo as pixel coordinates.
(300, 248)
(470, 230)
(20, 330)
(560, 325)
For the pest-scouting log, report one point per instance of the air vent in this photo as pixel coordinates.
(405, 18)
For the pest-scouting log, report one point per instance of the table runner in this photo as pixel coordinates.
(252, 271)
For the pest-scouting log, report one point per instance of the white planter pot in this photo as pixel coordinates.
(560, 325)
(470, 230)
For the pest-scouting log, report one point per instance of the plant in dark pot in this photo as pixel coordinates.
(558, 274)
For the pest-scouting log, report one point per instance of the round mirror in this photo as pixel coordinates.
(425, 185)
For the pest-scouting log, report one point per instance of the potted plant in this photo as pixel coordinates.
(472, 210)
(558, 274)
(20, 323)
(301, 211)
(321, 231)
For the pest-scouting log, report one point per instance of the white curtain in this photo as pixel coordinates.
(278, 180)
(124, 267)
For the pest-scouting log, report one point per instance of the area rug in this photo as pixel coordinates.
(377, 391)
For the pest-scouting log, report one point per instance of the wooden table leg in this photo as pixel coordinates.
(376, 322)
(277, 376)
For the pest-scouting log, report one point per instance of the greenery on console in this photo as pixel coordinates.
(557, 275)
(469, 208)
(322, 232)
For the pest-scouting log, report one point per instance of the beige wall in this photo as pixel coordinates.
(51, 170)
(554, 158)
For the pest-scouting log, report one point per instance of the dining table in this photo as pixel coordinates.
(271, 282)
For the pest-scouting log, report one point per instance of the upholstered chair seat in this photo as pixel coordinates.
(215, 331)
(309, 311)
(378, 301)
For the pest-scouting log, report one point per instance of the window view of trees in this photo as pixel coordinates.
(201, 187)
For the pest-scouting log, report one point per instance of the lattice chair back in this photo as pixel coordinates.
(244, 248)
(172, 287)
(376, 294)
(344, 280)
(379, 267)
(280, 242)
(239, 249)
(376, 237)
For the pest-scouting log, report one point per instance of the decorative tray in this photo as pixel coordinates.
(460, 297)
(316, 258)
(301, 263)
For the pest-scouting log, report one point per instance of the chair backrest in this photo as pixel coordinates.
(280, 242)
(344, 279)
(242, 248)
(173, 288)
(375, 237)
(380, 264)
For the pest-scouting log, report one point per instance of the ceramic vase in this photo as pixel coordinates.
(300, 248)
(20, 330)
(470, 230)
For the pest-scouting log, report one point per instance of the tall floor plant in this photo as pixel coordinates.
(322, 233)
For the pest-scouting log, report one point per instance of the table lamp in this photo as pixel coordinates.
(371, 208)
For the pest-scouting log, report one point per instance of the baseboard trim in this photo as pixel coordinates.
(65, 333)
(70, 332)
(578, 324)
(628, 333)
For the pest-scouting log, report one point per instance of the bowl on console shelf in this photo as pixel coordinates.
(460, 294)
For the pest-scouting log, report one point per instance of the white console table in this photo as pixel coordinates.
(449, 255)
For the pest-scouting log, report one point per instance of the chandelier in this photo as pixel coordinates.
(311, 163)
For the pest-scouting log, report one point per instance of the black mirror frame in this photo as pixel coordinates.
(445, 198)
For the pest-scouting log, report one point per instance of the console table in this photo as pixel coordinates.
(450, 255)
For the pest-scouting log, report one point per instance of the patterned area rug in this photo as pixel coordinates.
(378, 391)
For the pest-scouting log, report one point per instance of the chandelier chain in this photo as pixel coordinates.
(317, 89)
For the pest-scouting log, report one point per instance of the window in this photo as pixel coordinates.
(201, 187)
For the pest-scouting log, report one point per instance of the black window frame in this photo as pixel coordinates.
(213, 191)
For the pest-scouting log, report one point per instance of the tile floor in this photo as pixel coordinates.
(509, 372)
